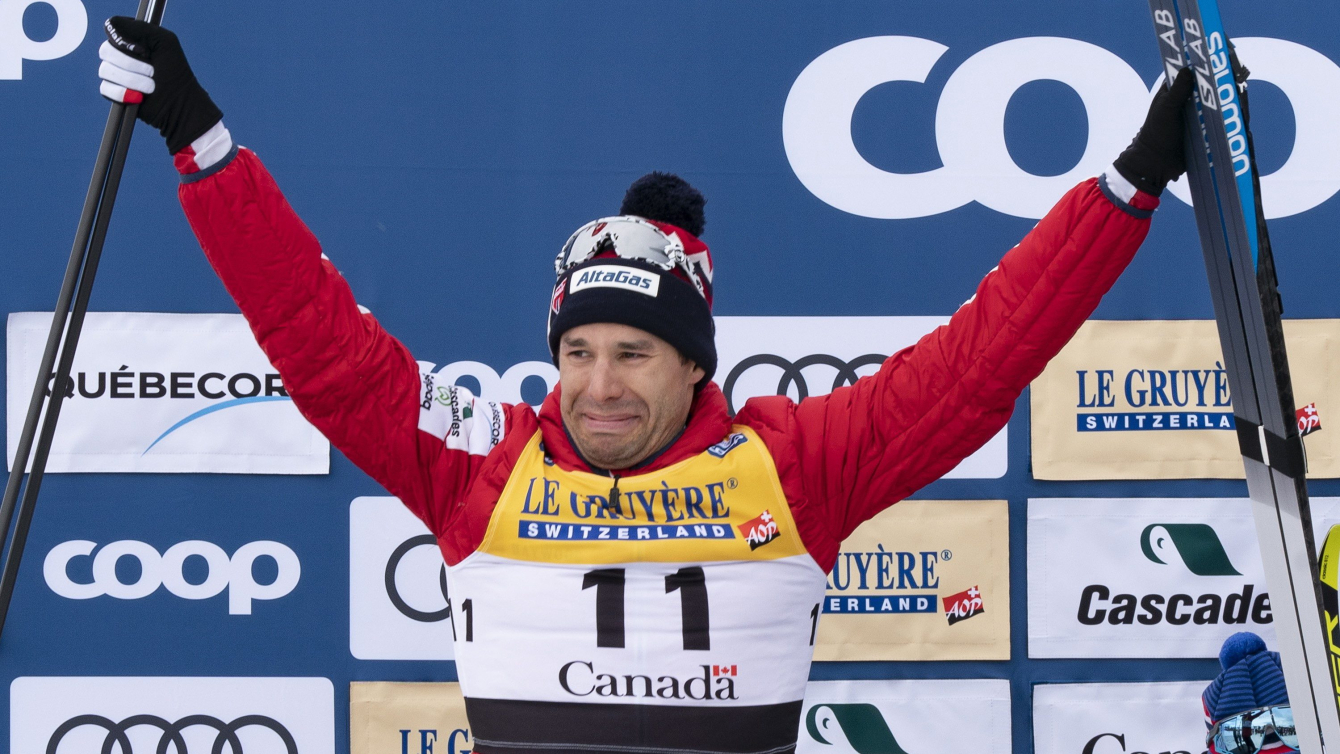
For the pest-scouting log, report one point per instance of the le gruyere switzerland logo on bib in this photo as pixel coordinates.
(616, 276)
(713, 507)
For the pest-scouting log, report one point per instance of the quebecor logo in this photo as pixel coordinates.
(16, 46)
(1196, 545)
(970, 124)
(233, 574)
(863, 725)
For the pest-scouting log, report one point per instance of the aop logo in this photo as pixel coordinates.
(793, 373)
(172, 732)
(970, 124)
(16, 46)
(393, 592)
(1196, 545)
(863, 725)
(168, 570)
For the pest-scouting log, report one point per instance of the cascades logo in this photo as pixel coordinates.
(1198, 547)
(863, 725)
(1196, 544)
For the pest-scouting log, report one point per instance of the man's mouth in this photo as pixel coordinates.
(610, 424)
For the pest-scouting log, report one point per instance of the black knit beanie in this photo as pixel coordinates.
(637, 293)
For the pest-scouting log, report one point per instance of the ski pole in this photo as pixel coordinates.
(64, 337)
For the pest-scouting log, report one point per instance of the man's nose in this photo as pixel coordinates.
(605, 382)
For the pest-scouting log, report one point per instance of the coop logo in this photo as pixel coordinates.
(792, 378)
(886, 581)
(970, 123)
(231, 390)
(1152, 399)
(168, 570)
(393, 591)
(16, 46)
(716, 683)
(172, 734)
(1115, 743)
(862, 725)
(1197, 548)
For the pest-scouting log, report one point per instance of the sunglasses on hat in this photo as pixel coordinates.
(628, 237)
(1247, 732)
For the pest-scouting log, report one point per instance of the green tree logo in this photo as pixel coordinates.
(862, 724)
(1197, 545)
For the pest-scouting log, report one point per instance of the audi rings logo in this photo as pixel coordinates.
(173, 733)
(760, 366)
(393, 564)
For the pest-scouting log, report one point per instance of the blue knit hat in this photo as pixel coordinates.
(1252, 678)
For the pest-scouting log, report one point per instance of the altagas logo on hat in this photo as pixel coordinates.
(616, 276)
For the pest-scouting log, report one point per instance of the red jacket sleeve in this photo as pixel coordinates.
(854, 452)
(358, 385)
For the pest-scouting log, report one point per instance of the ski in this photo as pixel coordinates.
(1225, 189)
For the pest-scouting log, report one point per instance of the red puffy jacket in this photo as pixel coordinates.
(841, 457)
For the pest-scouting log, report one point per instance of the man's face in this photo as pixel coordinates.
(626, 393)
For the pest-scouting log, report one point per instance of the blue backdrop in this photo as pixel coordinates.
(442, 152)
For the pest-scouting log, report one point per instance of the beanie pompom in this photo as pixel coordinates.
(666, 198)
(1238, 646)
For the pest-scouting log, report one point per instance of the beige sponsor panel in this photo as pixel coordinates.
(1150, 400)
(421, 718)
(923, 580)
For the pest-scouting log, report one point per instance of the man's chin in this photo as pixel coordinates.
(609, 451)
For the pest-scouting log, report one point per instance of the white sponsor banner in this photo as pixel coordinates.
(858, 717)
(1116, 718)
(147, 714)
(164, 393)
(397, 585)
(809, 356)
(1147, 577)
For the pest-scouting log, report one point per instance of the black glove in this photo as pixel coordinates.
(1156, 155)
(142, 59)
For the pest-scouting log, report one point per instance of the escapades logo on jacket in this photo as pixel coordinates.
(923, 580)
(1151, 400)
(165, 393)
(1146, 577)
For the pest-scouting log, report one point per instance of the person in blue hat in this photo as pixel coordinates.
(1247, 706)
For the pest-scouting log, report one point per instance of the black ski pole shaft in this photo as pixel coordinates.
(63, 338)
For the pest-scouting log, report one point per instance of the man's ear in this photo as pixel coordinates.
(696, 374)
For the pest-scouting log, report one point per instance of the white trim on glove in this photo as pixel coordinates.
(120, 73)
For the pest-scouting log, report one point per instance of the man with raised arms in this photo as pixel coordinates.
(631, 567)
